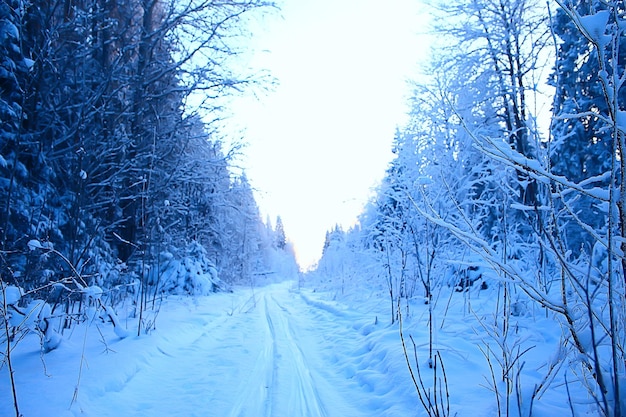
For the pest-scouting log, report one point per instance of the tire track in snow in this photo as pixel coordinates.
(283, 357)
(270, 385)
(295, 391)
(324, 338)
(254, 398)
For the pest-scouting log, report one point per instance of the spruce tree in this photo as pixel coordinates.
(280, 238)
(582, 142)
(582, 146)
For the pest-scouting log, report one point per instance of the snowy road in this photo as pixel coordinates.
(285, 379)
(274, 354)
(270, 352)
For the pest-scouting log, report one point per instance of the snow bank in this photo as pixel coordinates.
(12, 294)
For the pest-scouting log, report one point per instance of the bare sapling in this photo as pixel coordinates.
(435, 399)
(6, 301)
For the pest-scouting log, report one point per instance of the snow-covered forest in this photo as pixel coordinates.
(486, 277)
(112, 169)
(507, 185)
(114, 183)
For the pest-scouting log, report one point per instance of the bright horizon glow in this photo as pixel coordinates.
(320, 142)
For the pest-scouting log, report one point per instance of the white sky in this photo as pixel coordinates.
(320, 142)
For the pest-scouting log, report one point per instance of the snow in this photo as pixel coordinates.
(424, 180)
(8, 31)
(118, 328)
(253, 352)
(34, 244)
(595, 26)
(283, 351)
(620, 120)
(93, 292)
(29, 63)
(12, 294)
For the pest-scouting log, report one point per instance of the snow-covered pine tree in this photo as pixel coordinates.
(13, 70)
(279, 231)
(582, 144)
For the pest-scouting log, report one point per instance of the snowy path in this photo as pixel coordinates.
(271, 352)
(285, 380)
(265, 362)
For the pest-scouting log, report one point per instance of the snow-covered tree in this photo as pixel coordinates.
(477, 190)
(242, 241)
(13, 71)
(280, 238)
(582, 144)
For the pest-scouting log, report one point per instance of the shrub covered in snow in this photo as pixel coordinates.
(191, 273)
(36, 316)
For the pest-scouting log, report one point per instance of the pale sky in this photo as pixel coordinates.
(319, 143)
